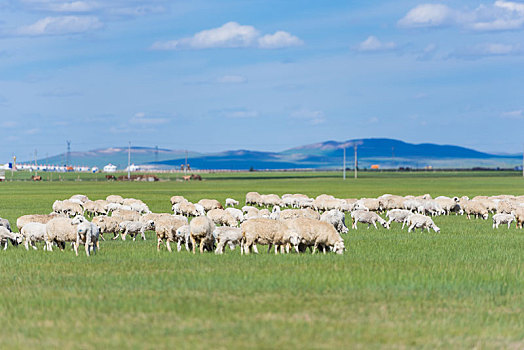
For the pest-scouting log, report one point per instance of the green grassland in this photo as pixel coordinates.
(462, 288)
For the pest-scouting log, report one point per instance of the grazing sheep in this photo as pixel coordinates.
(227, 235)
(115, 199)
(5, 223)
(188, 209)
(398, 215)
(93, 208)
(519, 217)
(33, 232)
(288, 214)
(68, 208)
(252, 213)
(275, 213)
(59, 230)
(200, 209)
(317, 234)
(107, 224)
(210, 204)
(6, 236)
(264, 213)
(502, 219)
(267, 232)
(133, 228)
(367, 217)
(252, 198)
(202, 232)
(43, 219)
(415, 221)
(335, 218)
(268, 200)
(236, 213)
(230, 202)
(506, 207)
(81, 197)
(246, 208)
(126, 215)
(183, 236)
(87, 233)
(222, 217)
(177, 199)
(477, 208)
(166, 228)
(372, 204)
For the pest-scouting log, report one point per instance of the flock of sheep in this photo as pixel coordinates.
(295, 221)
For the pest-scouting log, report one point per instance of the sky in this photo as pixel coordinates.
(212, 75)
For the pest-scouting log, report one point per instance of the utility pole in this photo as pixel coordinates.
(344, 171)
(523, 164)
(356, 161)
(129, 161)
(68, 154)
(35, 157)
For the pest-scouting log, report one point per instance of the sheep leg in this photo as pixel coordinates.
(26, 244)
(178, 246)
(102, 236)
(202, 246)
(5, 245)
(76, 247)
(116, 236)
(269, 248)
(276, 249)
(193, 242)
(168, 245)
(315, 248)
(143, 234)
(374, 224)
(158, 243)
(255, 249)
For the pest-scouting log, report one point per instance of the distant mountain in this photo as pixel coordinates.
(117, 156)
(386, 153)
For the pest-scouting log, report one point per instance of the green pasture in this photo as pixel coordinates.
(462, 288)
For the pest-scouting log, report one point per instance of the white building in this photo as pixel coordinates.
(110, 168)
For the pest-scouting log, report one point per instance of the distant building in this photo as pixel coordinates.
(94, 169)
(133, 168)
(110, 168)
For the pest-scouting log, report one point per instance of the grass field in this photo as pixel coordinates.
(462, 288)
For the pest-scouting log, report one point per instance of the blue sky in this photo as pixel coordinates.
(265, 75)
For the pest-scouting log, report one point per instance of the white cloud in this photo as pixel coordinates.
(230, 35)
(61, 25)
(75, 6)
(238, 113)
(278, 40)
(144, 119)
(427, 15)
(232, 79)
(488, 49)
(517, 114)
(311, 116)
(372, 43)
(501, 15)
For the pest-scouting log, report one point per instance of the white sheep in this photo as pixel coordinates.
(267, 232)
(33, 232)
(87, 233)
(398, 215)
(202, 232)
(133, 228)
(227, 235)
(183, 236)
(230, 202)
(335, 218)
(367, 217)
(502, 218)
(6, 236)
(5, 223)
(415, 221)
(236, 213)
(316, 234)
